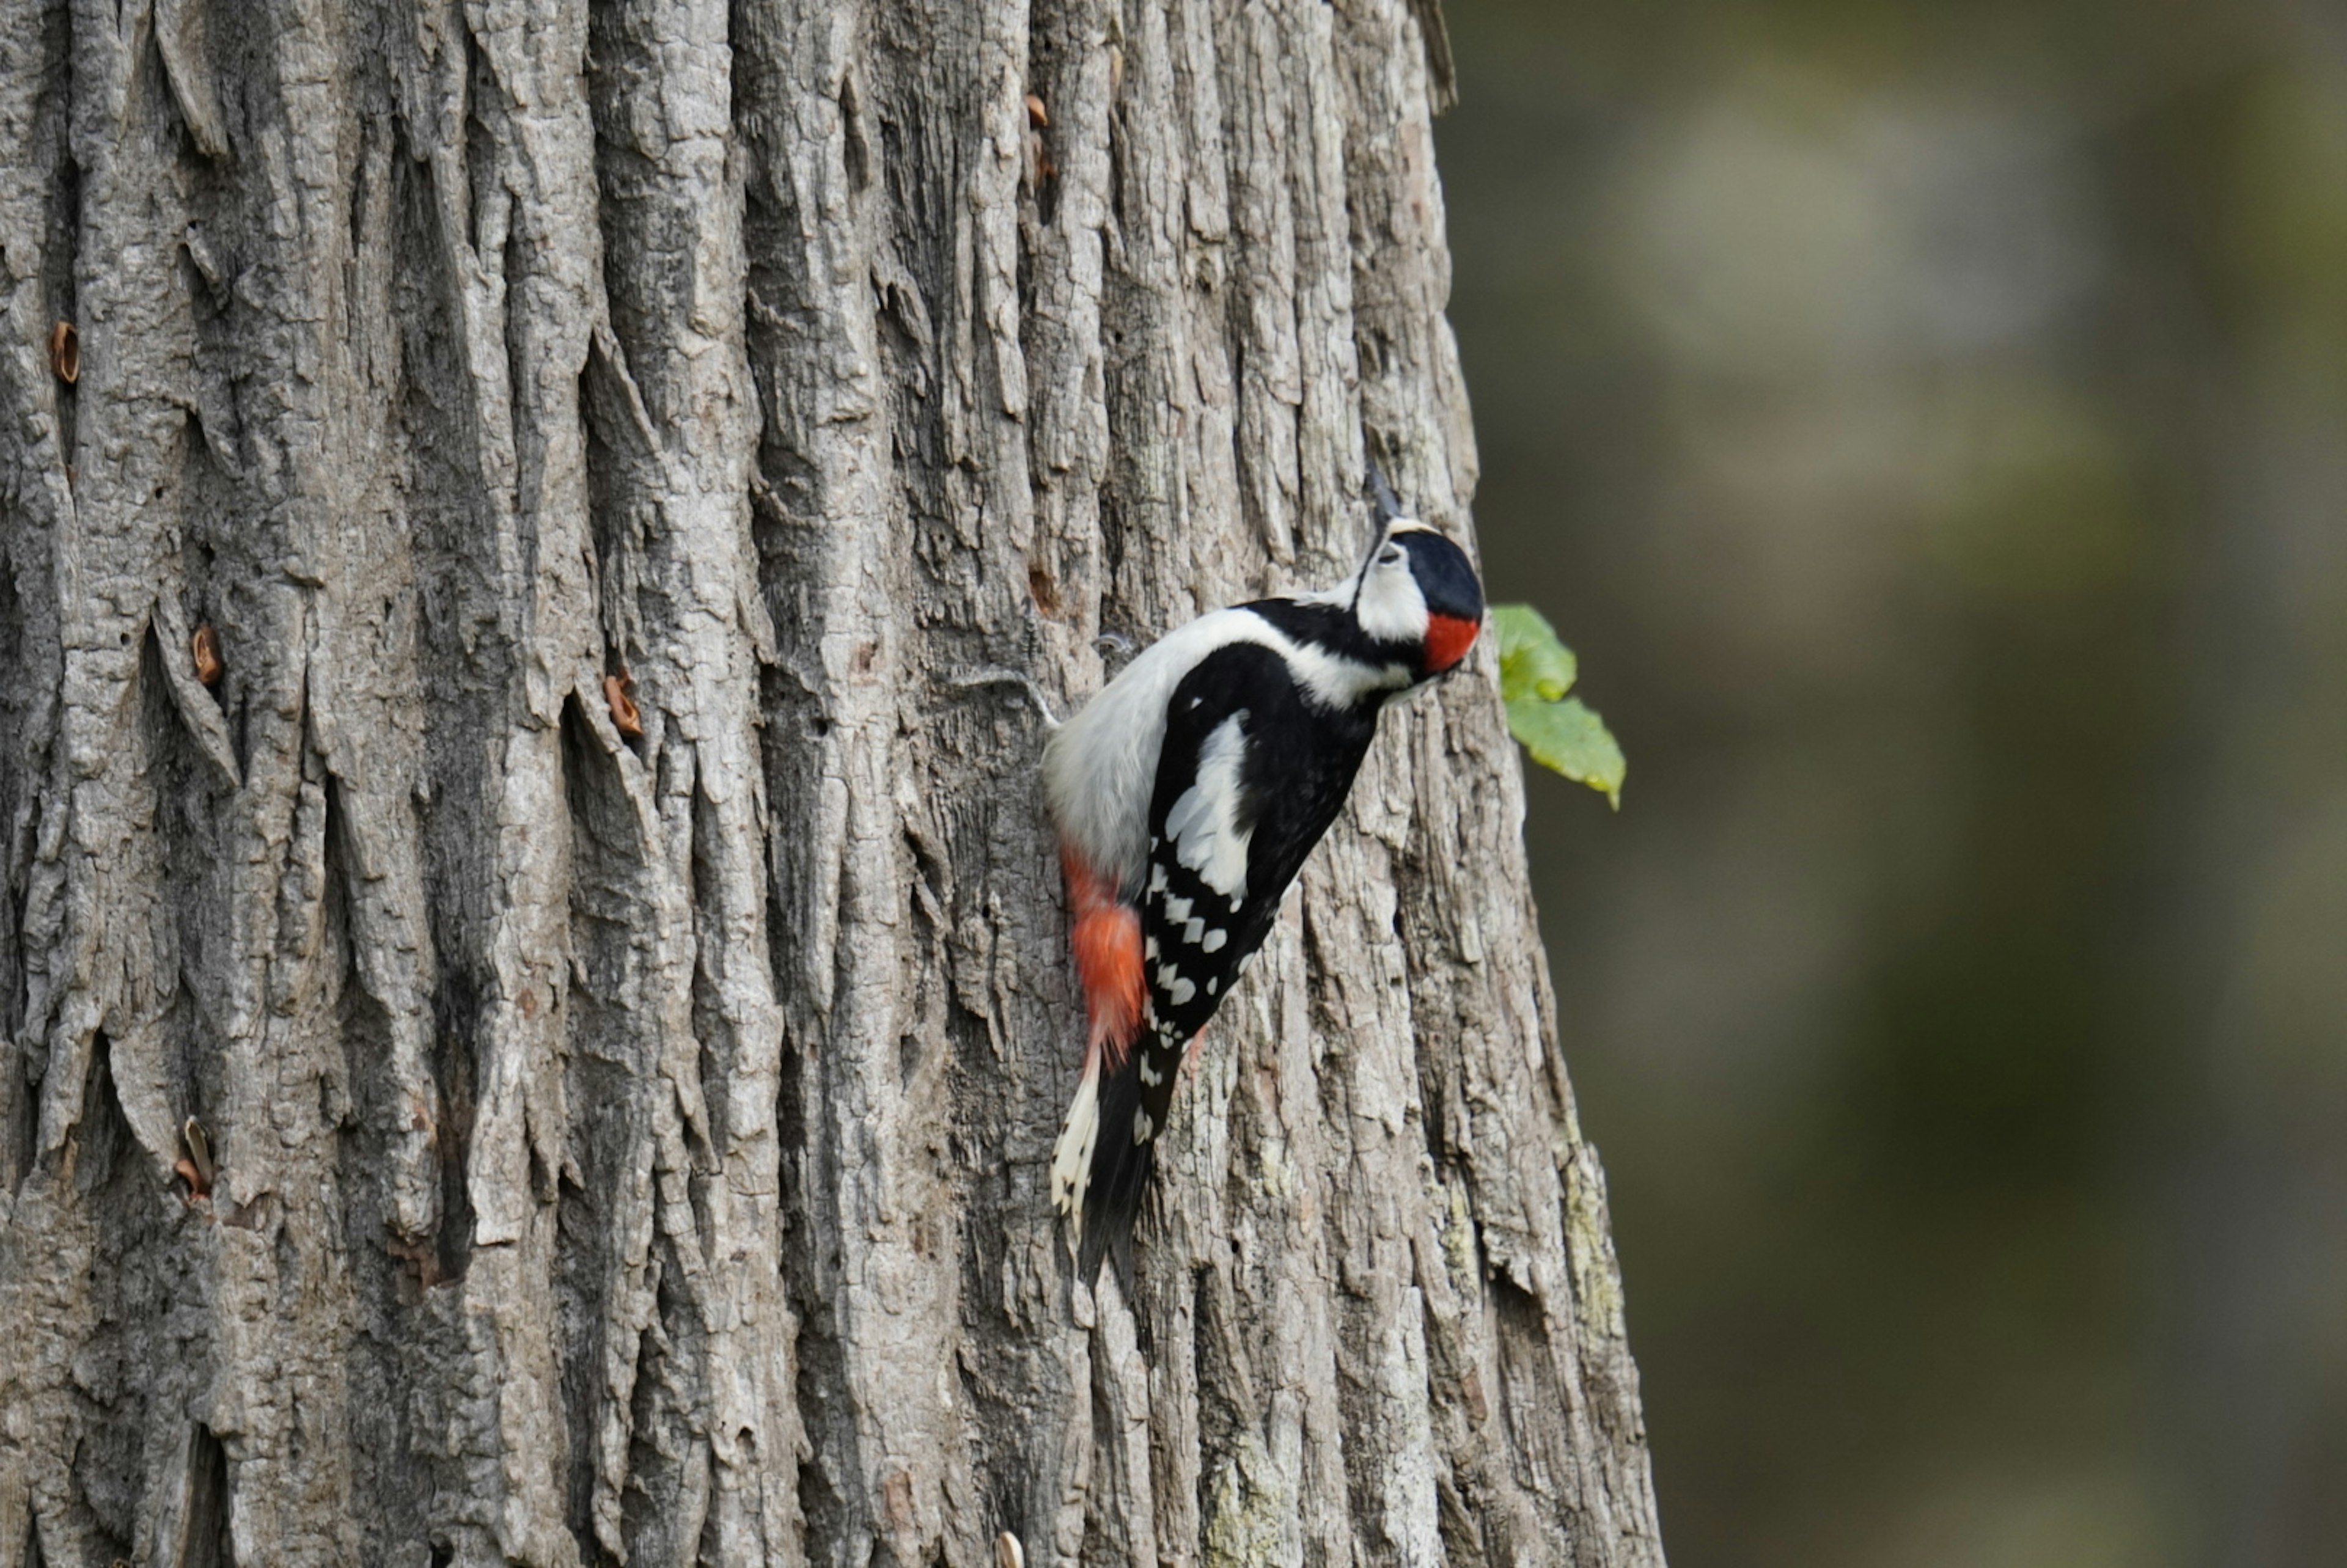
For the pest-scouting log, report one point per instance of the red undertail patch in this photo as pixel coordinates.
(1105, 933)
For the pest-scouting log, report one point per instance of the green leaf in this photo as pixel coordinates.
(1533, 662)
(1536, 670)
(1572, 740)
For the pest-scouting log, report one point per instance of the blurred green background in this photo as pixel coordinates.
(1929, 424)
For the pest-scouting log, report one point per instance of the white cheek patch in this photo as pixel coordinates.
(1205, 820)
(1392, 607)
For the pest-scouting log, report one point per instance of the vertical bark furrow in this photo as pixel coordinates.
(649, 466)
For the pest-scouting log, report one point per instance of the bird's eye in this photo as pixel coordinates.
(1389, 555)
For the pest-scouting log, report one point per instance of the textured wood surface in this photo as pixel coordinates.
(632, 1146)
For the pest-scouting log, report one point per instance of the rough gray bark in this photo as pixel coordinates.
(632, 1147)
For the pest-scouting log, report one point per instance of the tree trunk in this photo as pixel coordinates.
(638, 462)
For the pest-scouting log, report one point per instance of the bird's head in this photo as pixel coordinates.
(1417, 592)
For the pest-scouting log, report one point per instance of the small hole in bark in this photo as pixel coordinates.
(618, 691)
(197, 1168)
(1045, 591)
(205, 648)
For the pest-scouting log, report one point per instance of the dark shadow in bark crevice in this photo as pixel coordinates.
(392, 1275)
(601, 1090)
(204, 1535)
(21, 753)
(134, 1362)
(456, 1026)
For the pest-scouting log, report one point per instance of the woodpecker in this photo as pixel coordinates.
(1186, 797)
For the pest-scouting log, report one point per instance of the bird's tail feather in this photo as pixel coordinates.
(1071, 1158)
(1135, 1100)
(1119, 1178)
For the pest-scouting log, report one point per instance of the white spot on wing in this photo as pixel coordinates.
(1183, 990)
(1176, 909)
(1213, 942)
(1204, 823)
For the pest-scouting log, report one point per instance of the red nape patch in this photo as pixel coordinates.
(1105, 933)
(1448, 638)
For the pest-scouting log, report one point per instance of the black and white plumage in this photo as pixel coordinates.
(1187, 795)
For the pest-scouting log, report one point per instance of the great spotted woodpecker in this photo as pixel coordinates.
(1187, 795)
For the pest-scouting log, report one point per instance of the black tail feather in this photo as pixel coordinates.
(1120, 1175)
